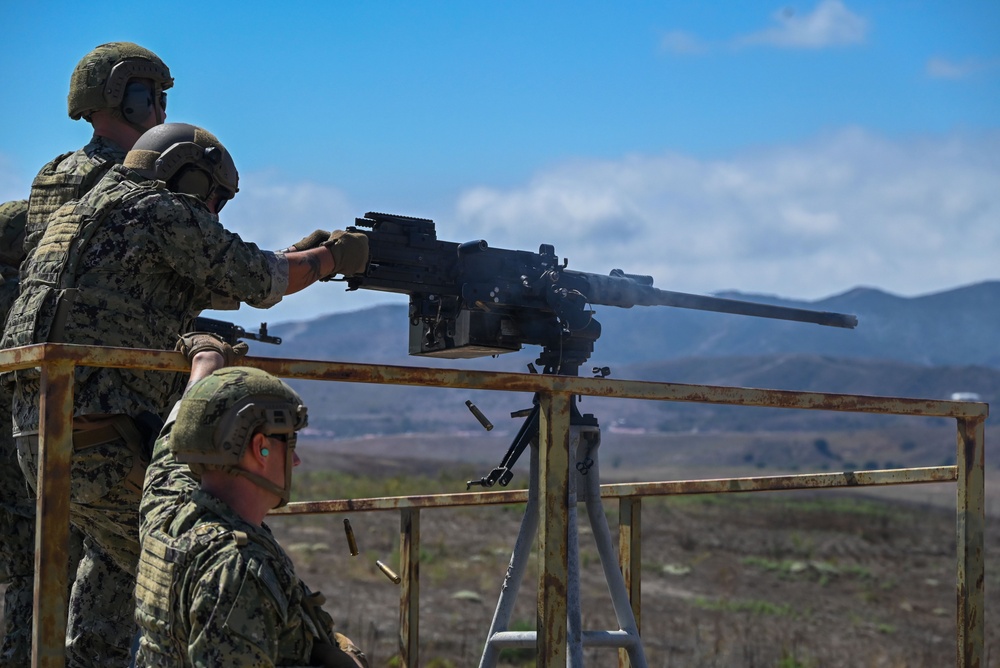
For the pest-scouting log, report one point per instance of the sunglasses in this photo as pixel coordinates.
(140, 89)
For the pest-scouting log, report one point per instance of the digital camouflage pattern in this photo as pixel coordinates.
(17, 519)
(213, 589)
(67, 177)
(146, 270)
(98, 625)
(149, 262)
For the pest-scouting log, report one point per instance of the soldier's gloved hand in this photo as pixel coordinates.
(347, 646)
(345, 654)
(350, 252)
(193, 343)
(314, 240)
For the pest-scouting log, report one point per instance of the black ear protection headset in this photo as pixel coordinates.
(191, 180)
(137, 102)
(191, 173)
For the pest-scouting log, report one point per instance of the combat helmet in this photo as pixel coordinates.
(188, 159)
(101, 78)
(219, 415)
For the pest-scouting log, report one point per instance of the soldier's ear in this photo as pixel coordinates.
(258, 447)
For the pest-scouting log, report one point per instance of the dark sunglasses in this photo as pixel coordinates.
(138, 88)
(284, 438)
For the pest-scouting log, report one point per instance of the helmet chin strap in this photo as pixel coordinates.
(118, 115)
(284, 493)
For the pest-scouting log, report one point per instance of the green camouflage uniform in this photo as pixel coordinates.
(130, 264)
(213, 589)
(97, 624)
(68, 177)
(17, 518)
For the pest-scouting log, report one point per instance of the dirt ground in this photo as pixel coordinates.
(791, 581)
(782, 580)
(787, 579)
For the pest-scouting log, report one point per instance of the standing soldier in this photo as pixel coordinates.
(131, 264)
(17, 516)
(120, 89)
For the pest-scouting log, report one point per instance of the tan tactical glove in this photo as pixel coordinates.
(345, 654)
(314, 240)
(193, 343)
(350, 252)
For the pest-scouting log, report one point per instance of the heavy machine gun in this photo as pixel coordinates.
(471, 300)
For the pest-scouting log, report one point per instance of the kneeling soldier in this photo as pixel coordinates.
(214, 587)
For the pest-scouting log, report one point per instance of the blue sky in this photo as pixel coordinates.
(798, 149)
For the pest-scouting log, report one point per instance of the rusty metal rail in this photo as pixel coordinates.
(58, 362)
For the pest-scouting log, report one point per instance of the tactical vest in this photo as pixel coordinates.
(49, 285)
(50, 302)
(52, 188)
(163, 575)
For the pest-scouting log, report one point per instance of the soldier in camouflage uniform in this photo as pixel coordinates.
(17, 517)
(214, 587)
(119, 88)
(131, 264)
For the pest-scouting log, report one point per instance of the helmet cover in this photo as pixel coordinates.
(220, 414)
(167, 152)
(100, 78)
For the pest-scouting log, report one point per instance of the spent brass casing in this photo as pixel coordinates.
(483, 420)
(389, 573)
(351, 542)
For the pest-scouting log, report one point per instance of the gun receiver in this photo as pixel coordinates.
(470, 300)
(231, 333)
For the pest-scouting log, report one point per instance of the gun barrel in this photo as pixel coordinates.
(624, 292)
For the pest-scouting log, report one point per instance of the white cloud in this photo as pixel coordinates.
(831, 23)
(274, 213)
(803, 221)
(943, 68)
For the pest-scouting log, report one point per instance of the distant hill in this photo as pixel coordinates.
(924, 347)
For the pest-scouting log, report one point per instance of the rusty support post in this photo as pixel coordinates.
(970, 526)
(553, 549)
(409, 595)
(630, 559)
(55, 448)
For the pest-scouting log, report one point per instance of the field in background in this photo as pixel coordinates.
(776, 580)
(783, 579)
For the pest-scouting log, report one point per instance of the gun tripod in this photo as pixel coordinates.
(584, 486)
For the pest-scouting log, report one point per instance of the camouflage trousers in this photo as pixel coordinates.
(17, 549)
(105, 488)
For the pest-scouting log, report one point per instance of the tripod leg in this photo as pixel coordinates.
(515, 569)
(609, 562)
(574, 623)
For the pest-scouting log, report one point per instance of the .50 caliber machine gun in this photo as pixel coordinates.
(470, 300)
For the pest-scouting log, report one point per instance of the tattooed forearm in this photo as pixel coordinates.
(307, 267)
(314, 268)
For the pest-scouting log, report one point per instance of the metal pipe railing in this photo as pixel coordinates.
(58, 362)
